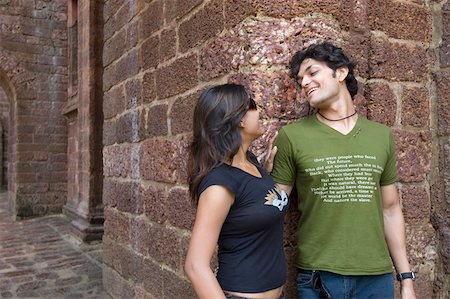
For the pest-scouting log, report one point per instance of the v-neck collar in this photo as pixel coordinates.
(261, 173)
(336, 132)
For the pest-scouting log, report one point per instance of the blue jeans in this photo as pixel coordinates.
(323, 284)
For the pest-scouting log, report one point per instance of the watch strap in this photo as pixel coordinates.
(406, 275)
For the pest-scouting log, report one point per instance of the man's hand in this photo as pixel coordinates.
(270, 154)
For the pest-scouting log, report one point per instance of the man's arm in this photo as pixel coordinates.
(285, 188)
(394, 232)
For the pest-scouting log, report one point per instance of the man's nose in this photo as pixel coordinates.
(305, 82)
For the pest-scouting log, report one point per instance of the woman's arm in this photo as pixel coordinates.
(213, 207)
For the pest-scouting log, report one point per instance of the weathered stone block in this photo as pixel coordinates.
(113, 102)
(317, 29)
(182, 113)
(180, 212)
(397, 62)
(276, 9)
(114, 47)
(151, 276)
(117, 20)
(157, 121)
(117, 160)
(109, 77)
(422, 256)
(179, 76)
(110, 8)
(415, 203)
(127, 66)
(148, 87)
(183, 151)
(356, 47)
(381, 103)
(122, 195)
(116, 285)
(168, 44)
(154, 199)
(203, 25)
(159, 160)
(139, 235)
(442, 80)
(129, 262)
(413, 155)
(151, 19)
(415, 107)
(164, 246)
(444, 51)
(341, 10)
(133, 92)
(109, 132)
(132, 35)
(149, 53)
(237, 10)
(175, 286)
(117, 225)
(253, 43)
(124, 128)
(401, 20)
(179, 8)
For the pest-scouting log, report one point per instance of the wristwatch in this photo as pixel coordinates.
(406, 275)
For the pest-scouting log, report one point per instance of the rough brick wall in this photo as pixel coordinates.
(158, 55)
(440, 178)
(33, 63)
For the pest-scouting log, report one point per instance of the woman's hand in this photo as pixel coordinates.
(270, 154)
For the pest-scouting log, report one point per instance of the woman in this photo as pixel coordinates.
(238, 204)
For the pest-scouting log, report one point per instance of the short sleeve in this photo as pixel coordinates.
(218, 177)
(389, 175)
(284, 169)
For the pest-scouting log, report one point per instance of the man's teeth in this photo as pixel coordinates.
(309, 92)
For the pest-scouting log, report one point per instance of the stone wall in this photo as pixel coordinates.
(439, 178)
(4, 121)
(158, 55)
(33, 74)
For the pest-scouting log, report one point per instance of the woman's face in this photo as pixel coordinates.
(250, 123)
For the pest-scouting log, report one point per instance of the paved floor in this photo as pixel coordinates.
(40, 259)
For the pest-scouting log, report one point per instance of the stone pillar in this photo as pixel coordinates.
(84, 204)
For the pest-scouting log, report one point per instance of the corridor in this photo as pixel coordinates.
(40, 259)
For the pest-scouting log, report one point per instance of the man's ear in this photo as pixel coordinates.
(342, 73)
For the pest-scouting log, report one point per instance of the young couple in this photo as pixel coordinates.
(343, 167)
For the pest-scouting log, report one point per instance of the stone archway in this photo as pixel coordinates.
(7, 115)
(4, 142)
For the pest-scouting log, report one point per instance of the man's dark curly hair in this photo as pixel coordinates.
(333, 56)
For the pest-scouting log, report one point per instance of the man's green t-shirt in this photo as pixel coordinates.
(338, 179)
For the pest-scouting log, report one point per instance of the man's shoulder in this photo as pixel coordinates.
(299, 124)
(375, 125)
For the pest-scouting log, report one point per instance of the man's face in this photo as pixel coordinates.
(319, 83)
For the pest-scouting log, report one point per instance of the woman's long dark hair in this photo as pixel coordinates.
(217, 137)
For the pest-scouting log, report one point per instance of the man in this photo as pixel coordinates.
(343, 168)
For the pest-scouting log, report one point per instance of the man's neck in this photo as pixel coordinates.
(340, 114)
